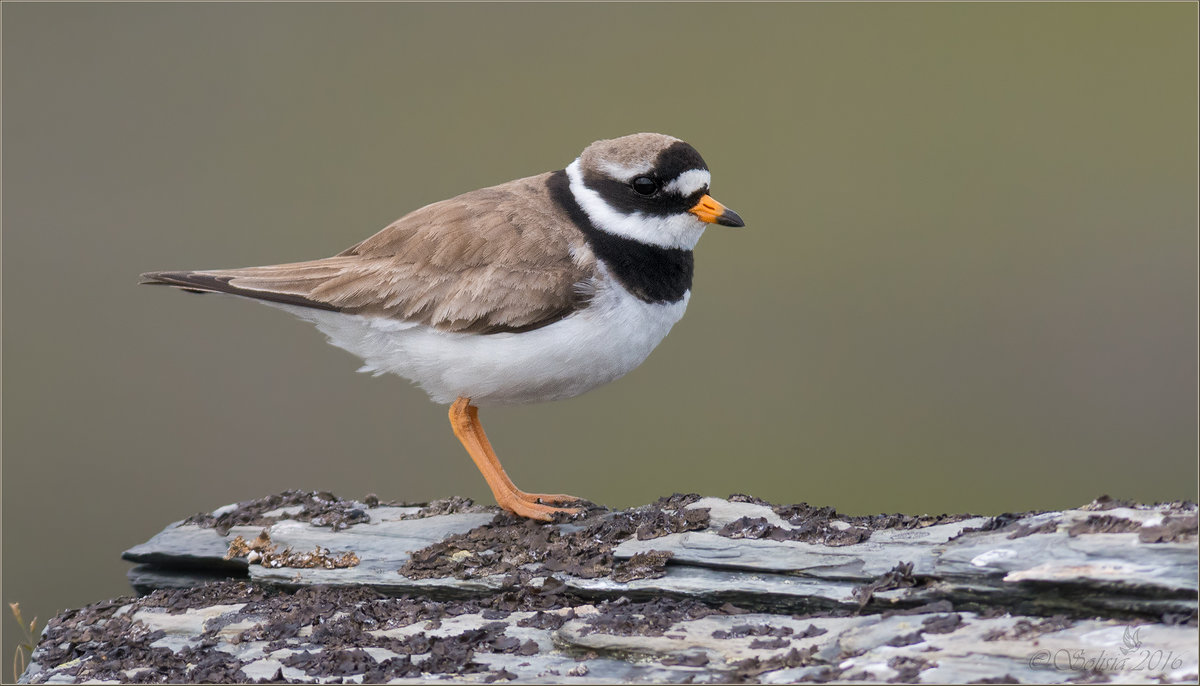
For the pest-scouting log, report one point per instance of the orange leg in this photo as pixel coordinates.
(464, 419)
(537, 498)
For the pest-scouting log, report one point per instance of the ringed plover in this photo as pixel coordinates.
(537, 289)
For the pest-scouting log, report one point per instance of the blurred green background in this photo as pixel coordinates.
(968, 280)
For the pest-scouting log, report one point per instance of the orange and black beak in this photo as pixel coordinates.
(713, 212)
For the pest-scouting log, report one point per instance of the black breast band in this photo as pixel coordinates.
(652, 273)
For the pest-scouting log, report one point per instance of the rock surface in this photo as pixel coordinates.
(307, 587)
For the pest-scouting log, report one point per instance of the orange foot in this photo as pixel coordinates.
(532, 509)
(552, 499)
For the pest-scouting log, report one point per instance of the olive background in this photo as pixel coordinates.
(967, 280)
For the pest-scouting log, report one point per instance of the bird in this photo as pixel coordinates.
(534, 290)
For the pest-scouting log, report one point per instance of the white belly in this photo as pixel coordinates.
(598, 344)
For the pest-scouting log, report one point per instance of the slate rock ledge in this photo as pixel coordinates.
(306, 587)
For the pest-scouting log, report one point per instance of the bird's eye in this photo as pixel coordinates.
(645, 185)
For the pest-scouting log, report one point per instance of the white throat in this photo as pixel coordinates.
(674, 231)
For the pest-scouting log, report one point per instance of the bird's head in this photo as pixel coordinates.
(648, 187)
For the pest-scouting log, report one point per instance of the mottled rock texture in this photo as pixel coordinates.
(307, 587)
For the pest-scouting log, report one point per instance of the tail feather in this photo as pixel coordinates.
(218, 282)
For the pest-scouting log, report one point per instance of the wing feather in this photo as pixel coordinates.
(499, 259)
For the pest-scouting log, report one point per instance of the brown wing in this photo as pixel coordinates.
(494, 260)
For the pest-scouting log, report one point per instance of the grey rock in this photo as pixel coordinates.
(1079, 563)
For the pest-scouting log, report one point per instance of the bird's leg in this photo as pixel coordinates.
(552, 498)
(464, 419)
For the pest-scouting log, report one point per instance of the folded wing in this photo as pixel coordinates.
(499, 259)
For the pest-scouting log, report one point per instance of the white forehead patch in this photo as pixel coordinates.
(689, 182)
(621, 172)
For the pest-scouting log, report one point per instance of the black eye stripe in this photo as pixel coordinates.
(622, 198)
